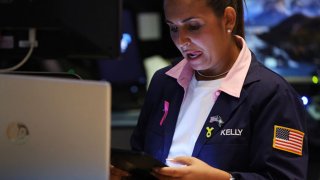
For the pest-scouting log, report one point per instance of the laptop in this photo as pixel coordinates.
(54, 128)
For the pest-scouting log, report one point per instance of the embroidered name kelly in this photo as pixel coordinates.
(231, 132)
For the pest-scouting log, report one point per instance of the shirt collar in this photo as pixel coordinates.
(231, 84)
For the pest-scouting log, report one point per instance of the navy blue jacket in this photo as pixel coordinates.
(266, 100)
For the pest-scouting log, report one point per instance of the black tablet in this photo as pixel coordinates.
(137, 163)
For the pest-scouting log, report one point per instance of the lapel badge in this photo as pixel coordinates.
(209, 131)
(217, 119)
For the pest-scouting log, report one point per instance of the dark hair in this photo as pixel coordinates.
(218, 7)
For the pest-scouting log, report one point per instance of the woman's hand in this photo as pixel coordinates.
(193, 169)
(117, 174)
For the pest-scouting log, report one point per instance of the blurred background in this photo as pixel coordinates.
(125, 42)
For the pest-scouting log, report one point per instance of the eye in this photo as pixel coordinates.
(194, 27)
(173, 29)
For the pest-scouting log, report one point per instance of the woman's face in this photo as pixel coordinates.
(198, 33)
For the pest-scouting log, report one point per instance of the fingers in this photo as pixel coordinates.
(165, 174)
(184, 160)
(175, 171)
(171, 171)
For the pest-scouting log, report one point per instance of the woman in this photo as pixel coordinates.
(219, 113)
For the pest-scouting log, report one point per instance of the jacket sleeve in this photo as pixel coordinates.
(279, 106)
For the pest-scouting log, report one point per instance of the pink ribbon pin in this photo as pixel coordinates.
(166, 110)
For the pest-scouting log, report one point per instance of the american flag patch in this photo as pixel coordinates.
(288, 139)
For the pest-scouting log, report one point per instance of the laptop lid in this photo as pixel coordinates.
(54, 128)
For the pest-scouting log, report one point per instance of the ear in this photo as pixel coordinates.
(230, 17)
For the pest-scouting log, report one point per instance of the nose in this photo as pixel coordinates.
(185, 46)
(183, 40)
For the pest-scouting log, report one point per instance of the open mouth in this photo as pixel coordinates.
(194, 54)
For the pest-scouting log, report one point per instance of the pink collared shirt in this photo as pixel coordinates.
(231, 84)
